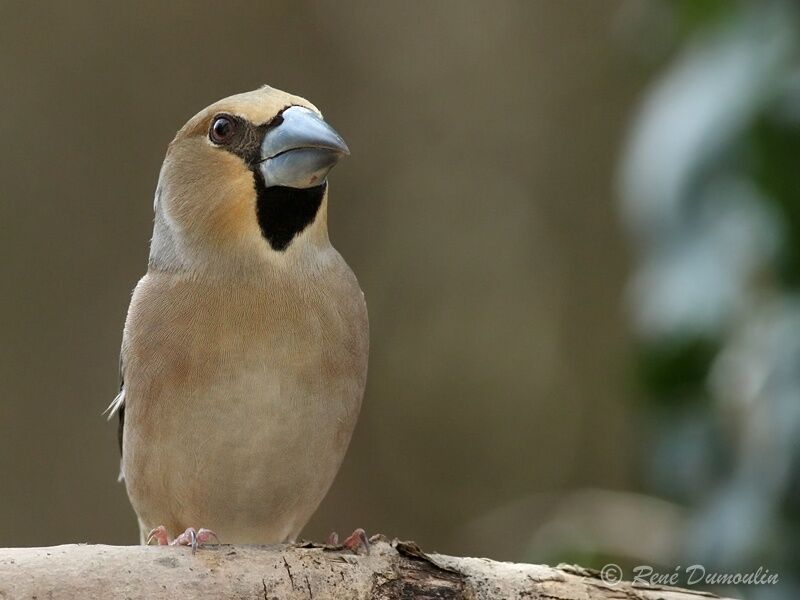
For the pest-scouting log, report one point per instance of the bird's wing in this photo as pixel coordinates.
(118, 403)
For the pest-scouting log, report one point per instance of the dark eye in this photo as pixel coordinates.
(222, 130)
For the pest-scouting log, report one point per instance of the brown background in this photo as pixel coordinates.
(477, 210)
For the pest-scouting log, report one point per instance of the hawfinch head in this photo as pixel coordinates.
(243, 181)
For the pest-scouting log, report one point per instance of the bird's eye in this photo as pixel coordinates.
(222, 130)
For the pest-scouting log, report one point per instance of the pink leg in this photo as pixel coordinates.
(194, 538)
(190, 537)
(159, 534)
(356, 542)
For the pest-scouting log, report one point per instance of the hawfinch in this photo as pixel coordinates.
(244, 354)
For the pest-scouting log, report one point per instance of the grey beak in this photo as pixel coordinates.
(300, 151)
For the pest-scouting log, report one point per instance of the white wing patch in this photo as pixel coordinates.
(115, 405)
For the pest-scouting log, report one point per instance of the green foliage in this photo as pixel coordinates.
(695, 15)
(673, 372)
(775, 161)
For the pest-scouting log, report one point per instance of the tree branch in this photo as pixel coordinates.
(307, 572)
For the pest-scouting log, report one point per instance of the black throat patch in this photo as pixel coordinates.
(283, 212)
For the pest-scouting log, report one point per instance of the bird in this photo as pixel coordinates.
(245, 347)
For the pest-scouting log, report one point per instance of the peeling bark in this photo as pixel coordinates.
(392, 570)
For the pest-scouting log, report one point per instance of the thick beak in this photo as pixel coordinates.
(300, 151)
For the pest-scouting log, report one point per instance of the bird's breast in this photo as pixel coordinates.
(240, 400)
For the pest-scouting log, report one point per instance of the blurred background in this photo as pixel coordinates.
(577, 225)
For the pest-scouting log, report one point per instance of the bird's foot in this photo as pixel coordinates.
(194, 538)
(356, 542)
(159, 534)
(191, 537)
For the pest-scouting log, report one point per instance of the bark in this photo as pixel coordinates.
(391, 570)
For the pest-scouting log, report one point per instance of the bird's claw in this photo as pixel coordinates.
(195, 538)
(203, 535)
(356, 542)
(159, 534)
